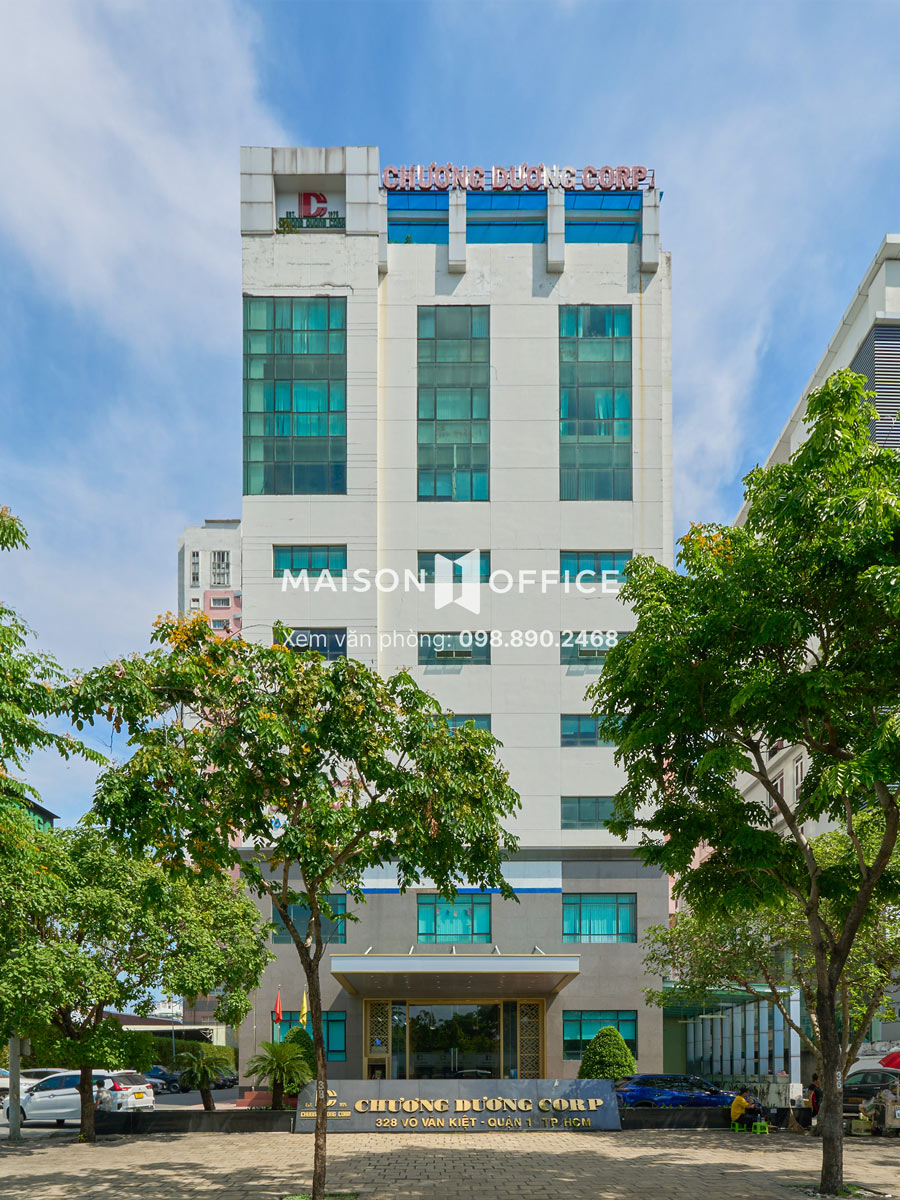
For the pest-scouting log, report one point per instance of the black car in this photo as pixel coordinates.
(162, 1080)
(860, 1086)
(225, 1079)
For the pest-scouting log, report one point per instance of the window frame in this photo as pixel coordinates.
(574, 904)
(300, 550)
(337, 930)
(431, 653)
(614, 1017)
(476, 901)
(596, 822)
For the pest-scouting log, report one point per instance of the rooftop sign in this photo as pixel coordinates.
(443, 177)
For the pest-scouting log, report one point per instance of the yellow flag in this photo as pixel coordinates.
(304, 1010)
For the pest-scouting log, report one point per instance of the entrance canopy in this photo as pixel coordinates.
(454, 975)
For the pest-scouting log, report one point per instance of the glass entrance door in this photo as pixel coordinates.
(454, 1041)
(446, 1039)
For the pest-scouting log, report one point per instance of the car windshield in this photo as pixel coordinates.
(129, 1078)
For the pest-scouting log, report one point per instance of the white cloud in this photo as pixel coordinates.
(121, 135)
(120, 149)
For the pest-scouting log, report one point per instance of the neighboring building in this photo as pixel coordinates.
(209, 573)
(737, 1037)
(442, 373)
(42, 817)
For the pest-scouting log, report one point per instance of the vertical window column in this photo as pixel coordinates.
(295, 387)
(595, 402)
(454, 402)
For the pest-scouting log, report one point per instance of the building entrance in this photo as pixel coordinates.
(465, 1039)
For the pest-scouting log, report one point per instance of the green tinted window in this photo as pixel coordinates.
(453, 402)
(595, 414)
(295, 396)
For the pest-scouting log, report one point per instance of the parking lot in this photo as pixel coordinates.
(629, 1165)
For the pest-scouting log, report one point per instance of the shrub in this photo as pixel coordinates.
(607, 1056)
(297, 1036)
(283, 1067)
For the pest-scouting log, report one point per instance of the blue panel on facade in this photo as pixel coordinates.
(620, 232)
(419, 232)
(499, 232)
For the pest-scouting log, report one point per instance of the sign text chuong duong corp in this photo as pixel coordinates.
(462, 1106)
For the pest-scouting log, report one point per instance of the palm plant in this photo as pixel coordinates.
(199, 1068)
(283, 1066)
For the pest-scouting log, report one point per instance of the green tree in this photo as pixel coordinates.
(199, 1069)
(325, 769)
(764, 951)
(297, 1036)
(102, 931)
(607, 1056)
(29, 693)
(284, 1066)
(30, 696)
(786, 628)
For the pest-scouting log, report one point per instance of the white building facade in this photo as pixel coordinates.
(209, 573)
(470, 385)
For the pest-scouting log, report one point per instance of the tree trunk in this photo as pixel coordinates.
(86, 1088)
(831, 1114)
(315, 1008)
(15, 1089)
(277, 1094)
(206, 1097)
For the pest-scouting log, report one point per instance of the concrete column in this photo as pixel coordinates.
(650, 232)
(689, 1049)
(764, 1038)
(796, 1082)
(382, 234)
(556, 230)
(457, 217)
(749, 1031)
(257, 190)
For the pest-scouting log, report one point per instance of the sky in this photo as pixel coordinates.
(772, 128)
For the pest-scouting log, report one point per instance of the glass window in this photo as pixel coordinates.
(220, 602)
(295, 385)
(622, 232)
(586, 647)
(330, 643)
(427, 557)
(579, 729)
(579, 1026)
(600, 917)
(334, 1028)
(332, 931)
(314, 560)
(595, 402)
(195, 568)
(220, 568)
(472, 648)
(593, 568)
(479, 720)
(585, 812)
(465, 919)
(453, 402)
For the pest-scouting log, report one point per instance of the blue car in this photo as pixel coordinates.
(670, 1091)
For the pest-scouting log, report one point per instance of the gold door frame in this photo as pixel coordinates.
(530, 1021)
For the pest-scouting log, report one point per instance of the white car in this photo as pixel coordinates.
(56, 1097)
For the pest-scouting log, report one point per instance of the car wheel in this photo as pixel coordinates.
(22, 1118)
(60, 1121)
(174, 1086)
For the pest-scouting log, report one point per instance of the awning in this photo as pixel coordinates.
(454, 976)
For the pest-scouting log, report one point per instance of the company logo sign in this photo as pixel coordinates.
(309, 208)
(457, 580)
(535, 177)
(469, 596)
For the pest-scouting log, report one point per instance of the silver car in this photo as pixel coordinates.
(57, 1098)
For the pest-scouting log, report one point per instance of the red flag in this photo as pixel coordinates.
(278, 1006)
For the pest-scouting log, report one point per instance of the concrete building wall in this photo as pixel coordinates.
(524, 526)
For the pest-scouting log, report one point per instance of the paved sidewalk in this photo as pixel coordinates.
(631, 1165)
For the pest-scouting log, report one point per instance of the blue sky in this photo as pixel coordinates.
(773, 129)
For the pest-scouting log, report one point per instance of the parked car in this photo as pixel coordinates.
(670, 1091)
(225, 1079)
(163, 1080)
(57, 1098)
(863, 1085)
